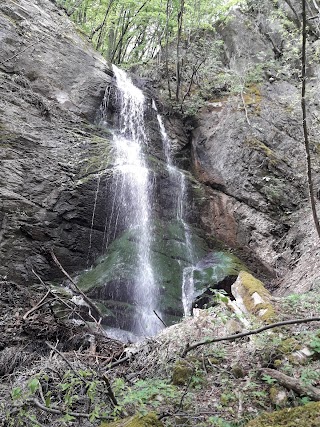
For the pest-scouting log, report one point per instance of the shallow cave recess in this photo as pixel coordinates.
(207, 298)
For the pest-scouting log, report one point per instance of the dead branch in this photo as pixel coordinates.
(120, 361)
(95, 309)
(65, 359)
(39, 304)
(159, 318)
(57, 411)
(293, 384)
(245, 334)
(56, 297)
(180, 407)
(109, 390)
(245, 107)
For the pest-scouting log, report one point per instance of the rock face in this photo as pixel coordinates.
(57, 164)
(250, 188)
(51, 85)
(248, 151)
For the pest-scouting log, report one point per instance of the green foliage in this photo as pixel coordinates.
(269, 380)
(315, 343)
(80, 391)
(174, 36)
(309, 376)
(220, 422)
(307, 303)
(151, 392)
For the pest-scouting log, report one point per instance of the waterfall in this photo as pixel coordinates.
(178, 177)
(131, 204)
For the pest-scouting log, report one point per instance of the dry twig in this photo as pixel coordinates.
(91, 304)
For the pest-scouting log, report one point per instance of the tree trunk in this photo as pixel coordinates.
(178, 61)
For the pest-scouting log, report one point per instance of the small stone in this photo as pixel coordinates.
(278, 396)
(237, 371)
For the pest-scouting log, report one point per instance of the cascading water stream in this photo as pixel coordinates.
(178, 177)
(131, 205)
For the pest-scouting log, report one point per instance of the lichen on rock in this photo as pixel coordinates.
(302, 416)
(252, 297)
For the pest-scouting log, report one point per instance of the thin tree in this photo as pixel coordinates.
(304, 117)
(178, 60)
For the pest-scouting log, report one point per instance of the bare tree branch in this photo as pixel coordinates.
(245, 334)
(95, 309)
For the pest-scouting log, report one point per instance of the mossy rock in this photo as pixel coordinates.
(182, 372)
(252, 297)
(302, 416)
(213, 269)
(278, 396)
(114, 275)
(255, 144)
(149, 420)
(288, 346)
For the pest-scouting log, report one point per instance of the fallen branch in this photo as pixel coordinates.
(160, 318)
(245, 334)
(293, 384)
(56, 297)
(65, 359)
(95, 309)
(40, 304)
(118, 362)
(57, 411)
(109, 390)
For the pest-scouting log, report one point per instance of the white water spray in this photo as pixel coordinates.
(131, 204)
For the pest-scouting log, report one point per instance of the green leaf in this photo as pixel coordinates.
(48, 400)
(268, 379)
(16, 393)
(65, 386)
(33, 385)
(68, 418)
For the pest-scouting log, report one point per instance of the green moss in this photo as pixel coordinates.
(302, 416)
(255, 144)
(149, 420)
(252, 97)
(182, 372)
(278, 396)
(276, 190)
(99, 158)
(237, 371)
(220, 265)
(288, 346)
(250, 286)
